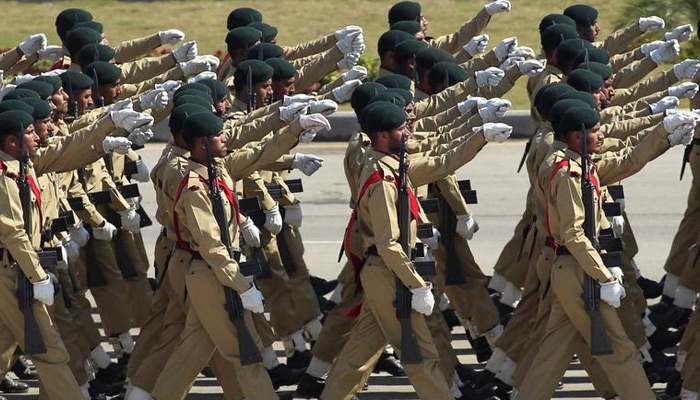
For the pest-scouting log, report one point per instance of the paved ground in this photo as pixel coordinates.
(655, 204)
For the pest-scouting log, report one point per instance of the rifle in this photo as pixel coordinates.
(99, 100)
(410, 353)
(33, 341)
(246, 345)
(686, 155)
(525, 153)
(72, 103)
(600, 344)
(252, 96)
(276, 191)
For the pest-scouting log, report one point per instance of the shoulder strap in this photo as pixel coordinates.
(176, 222)
(559, 165)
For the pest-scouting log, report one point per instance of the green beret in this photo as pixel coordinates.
(79, 37)
(411, 27)
(557, 111)
(73, 80)
(242, 17)
(388, 41)
(269, 32)
(552, 36)
(67, 18)
(584, 80)
(582, 14)
(400, 97)
(94, 52)
(404, 11)
(194, 86)
(446, 73)
(594, 55)
(603, 70)
(548, 94)
(219, 90)
(395, 81)
(18, 93)
(569, 49)
(14, 122)
(426, 58)
(201, 124)
(283, 69)
(554, 19)
(41, 107)
(382, 116)
(242, 38)
(363, 95)
(19, 105)
(180, 113)
(264, 51)
(574, 118)
(407, 49)
(43, 89)
(54, 81)
(578, 95)
(94, 25)
(258, 70)
(194, 97)
(103, 72)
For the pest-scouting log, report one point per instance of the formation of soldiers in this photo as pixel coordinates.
(230, 250)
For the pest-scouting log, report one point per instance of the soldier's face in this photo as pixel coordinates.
(60, 101)
(396, 136)
(31, 141)
(410, 114)
(599, 97)
(223, 106)
(84, 100)
(109, 92)
(423, 24)
(589, 32)
(41, 127)
(263, 90)
(283, 87)
(595, 139)
(216, 145)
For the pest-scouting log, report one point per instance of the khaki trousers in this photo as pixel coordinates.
(299, 282)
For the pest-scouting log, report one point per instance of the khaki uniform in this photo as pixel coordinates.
(619, 40)
(146, 68)
(135, 48)
(453, 43)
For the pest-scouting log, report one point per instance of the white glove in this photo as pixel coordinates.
(647, 48)
(315, 122)
(44, 290)
(530, 67)
(169, 86)
(348, 61)
(212, 60)
(51, 53)
(356, 72)
(20, 79)
(33, 43)
(129, 119)
(308, 164)
(433, 240)
(666, 52)
(621, 202)
(289, 113)
(2, 75)
(79, 234)
(251, 233)
(343, 92)
(476, 45)
(194, 66)
(686, 69)
(186, 52)
(297, 98)
(155, 99)
(651, 24)
(345, 45)
(664, 104)
(292, 215)
(72, 250)
(252, 300)
(273, 220)
(422, 299)
(62, 264)
(617, 273)
(140, 136)
(493, 109)
(497, 6)
(687, 90)
(141, 174)
(490, 76)
(467, 105)
(466, 226)
(171, 36)
(54, 72)
(681, 33)
(202, 76)
(324, 107)
(106, 232)
(680, 126)
(348, 30)
(131, 220)
(120, 105)
(510, 61)
(307, 136)
(7, 89)
(495, 131)
(618, 225)
(120, 145)
(504, 48)
(524, 52)
(358, 45)
(612, 293)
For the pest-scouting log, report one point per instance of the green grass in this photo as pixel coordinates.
(297, 20)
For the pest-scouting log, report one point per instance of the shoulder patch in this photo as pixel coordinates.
(193, 188)
(366, 142)
(389, 178)
(574, 174)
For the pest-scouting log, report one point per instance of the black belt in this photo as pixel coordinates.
(550, 243)
(563, 251)
(695, 142)
(372, 251)
(197, 256)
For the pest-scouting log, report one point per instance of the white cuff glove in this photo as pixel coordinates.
(7, 89)
(44, 290)
(618, 225)
(647, 48)
(348, 30)
(343, 92)
(651, 24)
(621, 202)
(291, 112)
(348, 44)
(186, 52)
(510, 61)
(202, 76)
(324, 107)
(495, 131)
(468, 105)
(115, 144)
(106, 232)
(79, 234)
(140, 136)
(51, 53)
(686, 90)
(664, 104)
(612, 293)
(170, 87)
(72, 250)
(155, 99)
(490, 76)
(297, 98)
(504, 48)
(131, 220)
(680, 126)
(62, 264)
(476, 45)
(432, 241)
(141, 174)
(348, 61)
(251, 233)
(308, 164)
(666, 52)
(466, 226)
(493, 109)
(617, 273)
(530, 67)
(194, 66)
(356, 72)
(273, 220)
(33, 43)
(212, 60)
(524, 52)
(422, 299)
(681, 33)
(497, 6)
(312, 124)
(171, 36)
(292, 215)
(686, 69)
(252, 300)
(20, 79)
(128, 119)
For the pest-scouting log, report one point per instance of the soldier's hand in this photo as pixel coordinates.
(618, 225)
(471, 104)
(140, 136)
(494, 109)
(524, 52)
(466, 226)
(251, 233)
(530, 67)
(323, 107)
(680, 126)
(651, 24)
(490, 76)
(343, 92)
(504, 48)
(422, 299)
(273, 220)
(33, 43)
(345, 45)
(495, 131)
(685, 297)
(616, 272)
(510, 61)
(647, 48)
(131, 220)
(171, 36)
(194, 66)
(497, 6)
(186, 52)
(291, 112)
(666, 53)
(357, 72)
(154, 99)
(252, 300)
(292, 215)
(141, 174)
(212, 60)
(51, 53)
(79, 234)
(44, 291)
(129, 119)
(7, 89)
(297, 98)
(666, 103)
(612, 293)
(312, 125)
(72, 250)
(106, 232)
(115, 144)
(681, 33)
(348, 30)
(20, 79)
(349, 61)
(476, 45)
(687, 90)
(308, 164)
(53, 72)
(202, 76)
(433, 240)
(686, 69)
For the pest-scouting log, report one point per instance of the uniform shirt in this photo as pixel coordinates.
(550, 74)
(135, 48)
(453, 43)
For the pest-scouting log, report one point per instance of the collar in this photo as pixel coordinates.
(389, 160)
(573, 156)
(238, 105)
(553, 70)
(199, 169)
(11, 163)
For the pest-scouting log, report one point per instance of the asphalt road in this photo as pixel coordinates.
(655, 202)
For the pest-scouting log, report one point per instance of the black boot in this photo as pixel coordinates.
(469, 392)
(283, 375)
(451, 318)
(389, 363)
(207, 372)
(97, 387)
(310, 387)
(112, 374)
(466, 374)
(482, 349)
(321, 286)
(664, 339)
(651, 289)
(22, 369)
(299, 360)
(667, 316)
(674, 385)
(9, 385)
(285, 396)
